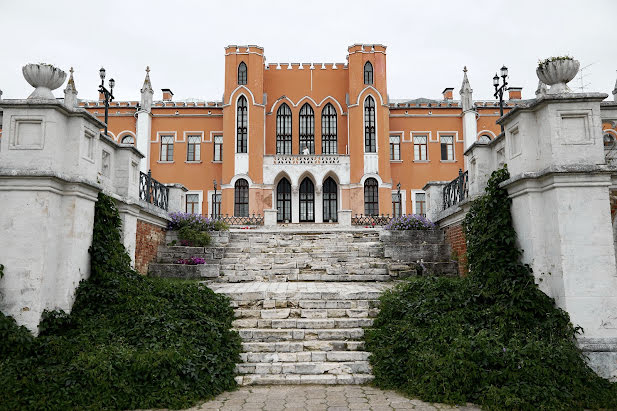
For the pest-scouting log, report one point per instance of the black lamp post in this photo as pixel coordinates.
(108, 94)
(398, 196)
(500, 89)
(214, 213)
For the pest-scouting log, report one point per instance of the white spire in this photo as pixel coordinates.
(70, 92)
(147, 92)
(466, 92)
(614, 92)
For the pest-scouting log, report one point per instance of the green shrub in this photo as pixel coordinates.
(191, 237)
(492, 338)
(195, 221)
(130, 341)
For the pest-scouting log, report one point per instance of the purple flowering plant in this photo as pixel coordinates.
(195, 221)
(191, 261)
(410, 222)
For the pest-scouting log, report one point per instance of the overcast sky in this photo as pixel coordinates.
(428, 42)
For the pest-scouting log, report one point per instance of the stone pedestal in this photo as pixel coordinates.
(434, 198)
(479, 164)
(561, 211)
(344, 218)
(270, 218)
(177, 198)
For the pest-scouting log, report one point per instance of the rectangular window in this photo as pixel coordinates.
(420, 204)
(167, 148)
(192, 203)
(395, 147)
(447, 147)
(192, 150)
(216, 205)
(396, 204)
(218, 148)
(419, 148)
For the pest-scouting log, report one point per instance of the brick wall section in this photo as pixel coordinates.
(613, 198)
(455, 236)
(149, 237)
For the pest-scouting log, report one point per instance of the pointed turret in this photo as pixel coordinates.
(147, 92)
(70, 92)
(466, 92)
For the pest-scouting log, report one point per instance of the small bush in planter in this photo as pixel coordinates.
(195, 221)
(410, 222)
(191, 237)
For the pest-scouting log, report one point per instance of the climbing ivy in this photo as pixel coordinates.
(491, 338)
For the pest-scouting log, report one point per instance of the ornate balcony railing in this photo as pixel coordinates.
(372, 220)
(456, 190)
(151, 191)
(253, 219)
(307, 159)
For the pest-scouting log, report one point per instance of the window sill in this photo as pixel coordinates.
(396, 161)
(217, 161)
(165, 162)
(422, 161)
(447, 161)
(193, 162)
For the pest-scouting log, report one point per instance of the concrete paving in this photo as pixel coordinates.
(316, 398)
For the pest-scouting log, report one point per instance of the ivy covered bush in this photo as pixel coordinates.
(491, 338)
(410, 222)
(130, 341)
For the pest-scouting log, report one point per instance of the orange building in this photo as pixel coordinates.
(310, 140)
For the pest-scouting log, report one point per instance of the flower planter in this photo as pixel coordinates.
(44, 78)
(557, 74)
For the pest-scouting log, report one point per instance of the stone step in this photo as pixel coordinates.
(303, 356)
(302, 346)
(302, 323)
(183, 270)
(233, 277)
(277, 335)
(282, 313)
(303, 304)
(309, 367)
(298, 291)
(280, 379)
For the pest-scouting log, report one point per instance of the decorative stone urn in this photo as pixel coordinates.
(44, 78)
(557, 73)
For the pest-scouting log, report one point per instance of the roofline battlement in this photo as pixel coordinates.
(305, 66)
(366, 48)
(244, 49)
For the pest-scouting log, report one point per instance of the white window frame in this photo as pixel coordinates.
(413, 152)
(403, 201)
(452, 134)
(413, 201)
(400, 141)
(188, 134)
(200, 193)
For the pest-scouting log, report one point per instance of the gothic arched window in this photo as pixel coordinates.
(283, 130)
(328, 130)
(307, 129)
(368, 73)
(242, 77)
(242, 126)
(370, 143)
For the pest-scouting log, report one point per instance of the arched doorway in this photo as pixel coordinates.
(307, 201)
(330, 200)
(283, 201)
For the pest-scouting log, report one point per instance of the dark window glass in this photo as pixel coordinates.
(192, 148)
(242, 126)
(368, 73)
(307, 129)
(447, 147)
(396, 204)
(420, 204)
(307, 200)
(218, 148)
(330, 200)
(419, 148)
(241, 198)
(167, 148)
(371, 197)
(370, 144)
(395, 147)
(283, 201)
(329, 130)
(216, 205)
(283, 130)
(242, 73)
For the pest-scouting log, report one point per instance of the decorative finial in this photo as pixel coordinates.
(465, 69)
(70, 92)
(147, 69)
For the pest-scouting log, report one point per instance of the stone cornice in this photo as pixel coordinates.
(53, 104)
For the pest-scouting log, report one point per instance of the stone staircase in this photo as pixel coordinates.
(302, 298)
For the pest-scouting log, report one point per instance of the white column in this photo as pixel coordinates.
(470, 128)
(144, 130)
(319, 204)
(295, 204)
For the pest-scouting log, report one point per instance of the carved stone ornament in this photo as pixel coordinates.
(557, 73)
(44, 78)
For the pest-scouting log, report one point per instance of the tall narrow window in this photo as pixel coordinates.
(283, 201)
(396, 204)
(242, 126)
(283, 130)
(242, 74)
(370, 144)
(167, 148)
(420, 204)
(371, 197)
(192, 203)
(192, 148)
(216, 205)
(395, 147)
(419, 148)
(218, 148)
(241, 198)
(447, 147)
(307, 129)
(329, 130)
(368, 73)
(307, 200)
(330, 200)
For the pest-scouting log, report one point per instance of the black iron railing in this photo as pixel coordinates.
(254, 219)
(151, 191)
(456, 190)
(361, 219)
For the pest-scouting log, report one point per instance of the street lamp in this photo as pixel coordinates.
(398, 196)
(108, 94)
(214, 213)
(499, 90)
